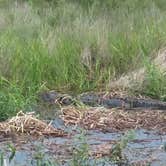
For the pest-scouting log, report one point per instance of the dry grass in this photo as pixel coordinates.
(114, 119)
(137, 77)
(28, 124)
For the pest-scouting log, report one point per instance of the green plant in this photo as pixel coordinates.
(12, 149)
(5, 159)
(41, 159)
(155, 83)
(1, 158)
(13, 99)
(80, 155)
(117, 151)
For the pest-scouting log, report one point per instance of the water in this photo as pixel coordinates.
(146, 146)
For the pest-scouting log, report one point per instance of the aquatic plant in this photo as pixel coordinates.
(39, 158)
(5, 160)
(1, 158)
(12, 150)
(80, 152)
(116, 154)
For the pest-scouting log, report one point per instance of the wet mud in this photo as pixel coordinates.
(147, 147)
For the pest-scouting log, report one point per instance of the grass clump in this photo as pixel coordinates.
(154, 84)
(12, 100)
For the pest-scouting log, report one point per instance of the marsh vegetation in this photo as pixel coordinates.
(75, 46)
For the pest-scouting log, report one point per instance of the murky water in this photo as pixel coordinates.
(147, 146)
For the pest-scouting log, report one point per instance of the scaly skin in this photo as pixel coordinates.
(93, 99)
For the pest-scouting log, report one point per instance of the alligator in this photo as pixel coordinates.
(122, 102)
(94, 100)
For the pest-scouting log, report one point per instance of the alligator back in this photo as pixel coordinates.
(94, 99)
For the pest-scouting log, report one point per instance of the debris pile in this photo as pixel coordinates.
(113, 120)
(28, 124)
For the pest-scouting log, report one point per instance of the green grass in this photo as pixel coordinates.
(74, 45)
(154, 84)
(13, 99)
